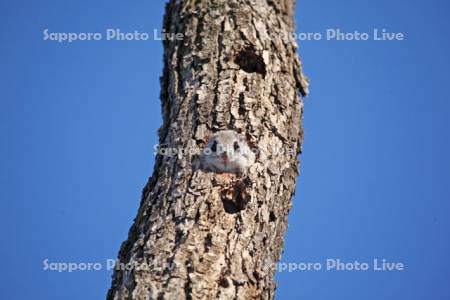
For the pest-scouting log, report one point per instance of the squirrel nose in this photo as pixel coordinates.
(224, 155)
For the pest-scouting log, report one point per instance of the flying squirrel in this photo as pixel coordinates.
(227, 152)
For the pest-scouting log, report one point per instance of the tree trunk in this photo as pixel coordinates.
(205, 235)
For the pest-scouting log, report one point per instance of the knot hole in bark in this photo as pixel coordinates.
(272, 217)
(236, 199)
(250, 61)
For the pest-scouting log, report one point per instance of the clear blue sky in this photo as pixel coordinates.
(78, 122)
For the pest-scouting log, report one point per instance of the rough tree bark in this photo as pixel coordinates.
(203, 235)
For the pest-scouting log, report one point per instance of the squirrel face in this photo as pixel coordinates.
(227, 152)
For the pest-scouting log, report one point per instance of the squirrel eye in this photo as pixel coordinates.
(236, 146)
(214, 146)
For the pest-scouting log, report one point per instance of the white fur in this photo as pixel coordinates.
(227, 159)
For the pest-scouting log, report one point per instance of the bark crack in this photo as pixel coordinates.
(218, 66)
